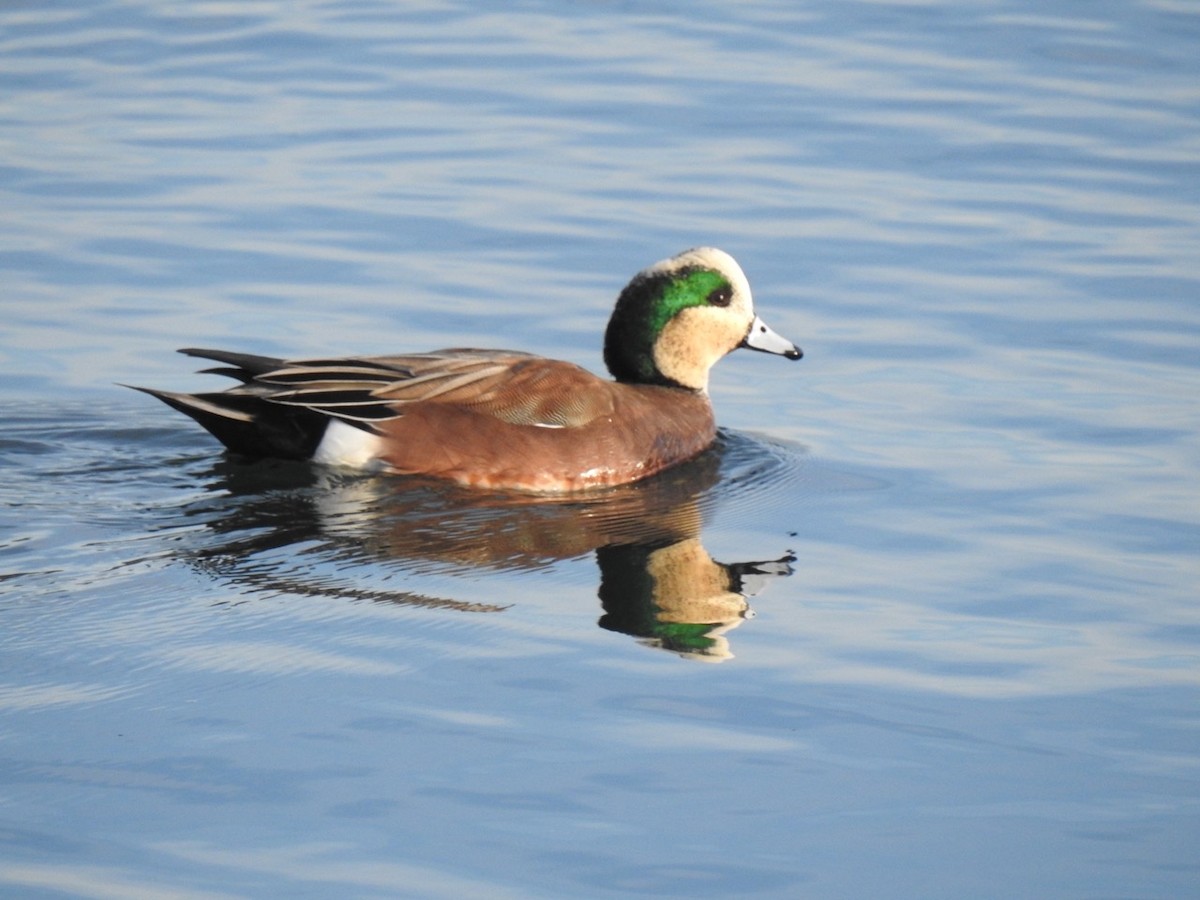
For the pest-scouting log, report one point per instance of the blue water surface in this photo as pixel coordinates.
(923, 623)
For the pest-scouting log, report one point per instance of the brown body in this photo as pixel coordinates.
(478, 417)
(627, 432)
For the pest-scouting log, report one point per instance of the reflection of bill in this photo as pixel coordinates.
(657, 582)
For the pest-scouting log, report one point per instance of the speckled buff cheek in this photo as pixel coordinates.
(692, 342)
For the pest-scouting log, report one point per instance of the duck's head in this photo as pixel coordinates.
(675, 319)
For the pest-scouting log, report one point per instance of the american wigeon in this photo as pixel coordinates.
(499, 418)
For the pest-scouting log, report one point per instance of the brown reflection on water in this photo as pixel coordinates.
(289, 528)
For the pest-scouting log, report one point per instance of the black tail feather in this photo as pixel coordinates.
(248, 424)
(229, 372)
(249, 363)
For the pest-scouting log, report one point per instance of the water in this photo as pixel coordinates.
(945, 639)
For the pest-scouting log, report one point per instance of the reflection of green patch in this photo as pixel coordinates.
(686, 636)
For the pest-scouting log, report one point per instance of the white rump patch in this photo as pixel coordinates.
(345, 445)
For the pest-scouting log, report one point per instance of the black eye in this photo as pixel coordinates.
(721, 296)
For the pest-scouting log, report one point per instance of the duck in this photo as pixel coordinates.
(503, 419)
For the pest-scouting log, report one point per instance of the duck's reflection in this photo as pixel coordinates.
(657, 581)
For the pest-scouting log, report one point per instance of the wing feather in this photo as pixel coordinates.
(517, 388)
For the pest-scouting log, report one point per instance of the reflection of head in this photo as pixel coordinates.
(673, 595)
